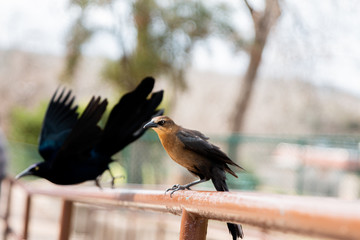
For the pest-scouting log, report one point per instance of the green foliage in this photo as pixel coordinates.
(164, 36)
(22, 155)
(24, 132)
(26, 124)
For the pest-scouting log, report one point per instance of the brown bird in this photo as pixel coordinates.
(191, 149)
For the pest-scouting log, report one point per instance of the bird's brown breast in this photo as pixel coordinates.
(177, 151)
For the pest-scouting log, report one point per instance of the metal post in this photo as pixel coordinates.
(193, 227)
(27, 217)
(7, 208)
(65, 221)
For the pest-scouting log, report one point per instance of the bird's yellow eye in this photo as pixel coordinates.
(36, 168)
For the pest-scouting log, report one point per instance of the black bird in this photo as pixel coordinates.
(191, 149)
(76, 149)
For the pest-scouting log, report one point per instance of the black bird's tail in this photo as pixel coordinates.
(126, 119)
(220, 185)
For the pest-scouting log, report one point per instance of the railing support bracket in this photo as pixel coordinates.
(193, 227)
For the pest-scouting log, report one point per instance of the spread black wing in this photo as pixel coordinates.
(127, 118)
(59, 119)
(85, 134)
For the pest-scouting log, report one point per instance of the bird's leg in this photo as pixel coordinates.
(113, 178)
(178, 187)
(97, 182)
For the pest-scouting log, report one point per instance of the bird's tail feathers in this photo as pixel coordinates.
(220, 185)
(227, 169)
(219, 179)
(235, 230)
(230, 162)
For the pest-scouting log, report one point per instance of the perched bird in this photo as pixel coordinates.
(191, 149)
(76, 149)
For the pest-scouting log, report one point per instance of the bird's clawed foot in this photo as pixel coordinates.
(112, 182)
(176, 188)
(113, 178)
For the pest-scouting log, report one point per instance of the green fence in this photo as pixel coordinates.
(146, 162)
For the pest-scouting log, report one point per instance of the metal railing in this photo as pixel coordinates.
(322, 217)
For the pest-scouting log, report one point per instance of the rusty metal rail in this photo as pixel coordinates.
(321, 217)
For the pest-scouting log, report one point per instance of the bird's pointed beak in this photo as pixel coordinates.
(26, 172)
(150, 124)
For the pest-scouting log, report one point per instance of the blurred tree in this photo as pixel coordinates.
(263, 22)
(154, 37)
(79, 35)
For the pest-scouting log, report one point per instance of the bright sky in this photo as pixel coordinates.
(314, 40)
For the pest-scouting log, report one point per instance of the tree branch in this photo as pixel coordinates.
(251, 10)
